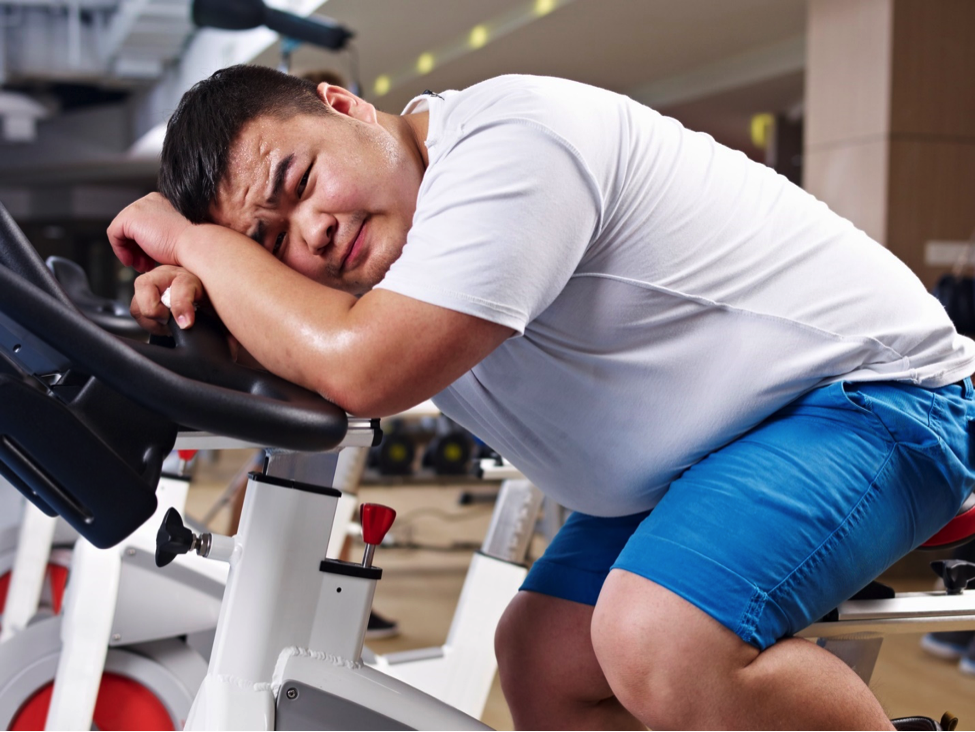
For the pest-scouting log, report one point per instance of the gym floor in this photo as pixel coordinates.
(420, 587)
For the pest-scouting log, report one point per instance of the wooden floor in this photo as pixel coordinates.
(420, 588)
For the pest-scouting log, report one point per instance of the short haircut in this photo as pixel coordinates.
(208, 121)
(325, 76)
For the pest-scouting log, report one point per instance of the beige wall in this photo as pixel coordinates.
(890, 119)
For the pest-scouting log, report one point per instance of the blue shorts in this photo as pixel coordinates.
(774, 530)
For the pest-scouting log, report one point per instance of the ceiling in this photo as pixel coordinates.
(710, 63)
(622, 45)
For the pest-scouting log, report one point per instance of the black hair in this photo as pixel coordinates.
(207, 122)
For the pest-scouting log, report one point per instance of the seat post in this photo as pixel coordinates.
(274, 582)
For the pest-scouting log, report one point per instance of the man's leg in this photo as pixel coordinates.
(675, 667)
(548, 669)
(764, 537)
(549, 672)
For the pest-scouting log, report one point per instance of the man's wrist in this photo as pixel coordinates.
(183, 245)
(187, 248)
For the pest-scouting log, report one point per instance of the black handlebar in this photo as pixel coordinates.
(87, 417)
(17, 255)
(108, 314)
(248, 405)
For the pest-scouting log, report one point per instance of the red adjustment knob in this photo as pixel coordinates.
(186, 455)
(375, 520)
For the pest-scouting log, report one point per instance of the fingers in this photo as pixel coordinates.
(122, 238)
(145, 232)
(234, 345)
(147, 307)
(185, 290)
(129, 253)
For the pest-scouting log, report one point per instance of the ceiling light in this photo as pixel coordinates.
(381, 85)
(544, 7)
(425, 63)
(479, 36)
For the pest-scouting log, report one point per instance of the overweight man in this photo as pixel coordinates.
(751, 407)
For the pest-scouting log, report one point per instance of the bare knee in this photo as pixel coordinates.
(658, 652)
(634, 661)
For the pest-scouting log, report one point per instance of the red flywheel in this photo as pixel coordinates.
(122, 704)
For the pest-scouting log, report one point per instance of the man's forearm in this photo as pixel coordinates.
(295, 327)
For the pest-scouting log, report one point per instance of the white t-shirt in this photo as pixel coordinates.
(668, 292)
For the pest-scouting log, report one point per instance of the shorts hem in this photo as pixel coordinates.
(701, 581)
(548, 578)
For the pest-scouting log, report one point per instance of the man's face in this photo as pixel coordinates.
(331, 196)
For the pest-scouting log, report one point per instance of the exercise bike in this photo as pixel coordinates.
(145, 609)
(35, 549)
(117, 640)
(459, 672)
(38, 326)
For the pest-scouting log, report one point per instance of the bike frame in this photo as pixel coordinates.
(291, 620)
(116, 597)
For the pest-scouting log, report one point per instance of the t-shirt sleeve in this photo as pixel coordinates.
(503, 219)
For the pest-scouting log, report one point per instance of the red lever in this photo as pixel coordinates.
(375, 520)
(186, 455)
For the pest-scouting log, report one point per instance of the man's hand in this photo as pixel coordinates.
(185, 292)
(146, 232)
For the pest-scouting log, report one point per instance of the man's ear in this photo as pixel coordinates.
(345, 102)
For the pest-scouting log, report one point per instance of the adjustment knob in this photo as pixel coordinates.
(956, 574)
(185, 458)
(173, 538)
(375, 520)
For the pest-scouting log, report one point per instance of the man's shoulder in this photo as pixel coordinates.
(545, 100)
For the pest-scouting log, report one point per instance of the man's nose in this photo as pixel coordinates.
(316, 229)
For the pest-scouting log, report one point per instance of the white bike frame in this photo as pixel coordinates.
(116, 597)
(858, 633)
(119, 598)
(292, 623)
(34, 540)
(461, 671)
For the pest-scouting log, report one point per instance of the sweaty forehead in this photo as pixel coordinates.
(244, 183)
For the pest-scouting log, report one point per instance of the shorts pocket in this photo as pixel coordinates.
(852, 397)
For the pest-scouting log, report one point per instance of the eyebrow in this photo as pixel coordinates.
(280, 173)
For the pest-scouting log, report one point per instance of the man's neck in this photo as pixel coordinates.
(411, 131)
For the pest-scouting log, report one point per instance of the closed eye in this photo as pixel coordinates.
(277, 244)
(304, 182)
